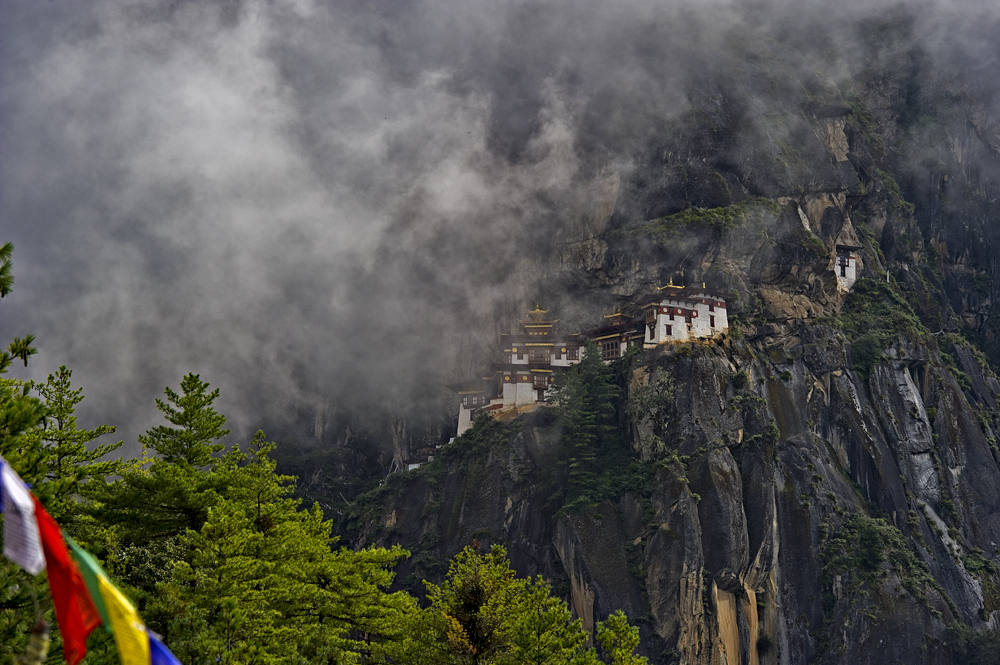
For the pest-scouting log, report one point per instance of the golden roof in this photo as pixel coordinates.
(537, 314)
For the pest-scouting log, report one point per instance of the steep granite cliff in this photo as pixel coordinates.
(822, 484)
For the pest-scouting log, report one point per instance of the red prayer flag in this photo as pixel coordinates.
(74, 609)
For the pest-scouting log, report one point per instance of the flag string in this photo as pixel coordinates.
(83, 595)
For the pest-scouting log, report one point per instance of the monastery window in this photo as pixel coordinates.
(541, 382)
(668, 330)
(711, 321)
(610, 350)
(671, 315)
(711, 306)
(844, 261)
(538, 355)
(573, 354)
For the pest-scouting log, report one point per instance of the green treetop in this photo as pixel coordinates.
(20, 347)
(585, 403)
(52, 454)
(260, 582)
(198, 425)
(619, 640)
(160, 498)
(62, 461)
(483, 614)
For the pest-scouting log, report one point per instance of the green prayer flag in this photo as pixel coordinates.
(91, 570)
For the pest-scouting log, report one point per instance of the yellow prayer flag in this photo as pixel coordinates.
(128, 629)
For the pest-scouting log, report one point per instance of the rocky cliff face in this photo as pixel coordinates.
(799, 510)
(822, 485)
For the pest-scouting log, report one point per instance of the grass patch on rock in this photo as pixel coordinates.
(715, 219)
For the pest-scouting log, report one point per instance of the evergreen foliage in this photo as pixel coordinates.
(483, 614)
(6, 269)
(260, 581)
(972, 647)
(229, 567)
(198, 425)
(619, 640)
(53, 455)
(62, 459)
(874, 318)
(868, 548)
(43, 445)
(585, 406)
(20, 347)
(718, 220)
(160, 498)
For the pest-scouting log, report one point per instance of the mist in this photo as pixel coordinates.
(333, 206)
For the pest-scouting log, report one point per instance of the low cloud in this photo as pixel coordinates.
(308, 202)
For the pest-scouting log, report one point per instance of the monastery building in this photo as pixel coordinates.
(533, 354)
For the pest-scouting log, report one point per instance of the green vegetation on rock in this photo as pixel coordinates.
(866, 549)
(874, 318)
(714, 219)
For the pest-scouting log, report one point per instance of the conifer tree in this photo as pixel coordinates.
(54, 457)
(19, 347)
(65, 462)
(161, 498)
(546, 633)
(198, 425)
(20, 412)
(584, 397)
(619, 640)
(259, 582)
(483, 614)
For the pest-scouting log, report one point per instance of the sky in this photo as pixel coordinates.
(320, 204)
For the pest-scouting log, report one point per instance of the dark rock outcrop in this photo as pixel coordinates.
(825, 484)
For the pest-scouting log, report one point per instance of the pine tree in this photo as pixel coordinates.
(584, 397)
(198, 425)
(54, 457)
(20, 412)
(619, 640)
(259, 581)
(546, 633)
(67, 462)
(20, 347)
(483, 614)
(160, 498)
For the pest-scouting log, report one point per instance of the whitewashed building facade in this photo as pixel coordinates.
(684, 314)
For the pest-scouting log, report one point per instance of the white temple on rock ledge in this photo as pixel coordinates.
(684, 314)
(537, 351)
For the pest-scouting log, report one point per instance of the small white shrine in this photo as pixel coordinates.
(847, 266)
(684, 314)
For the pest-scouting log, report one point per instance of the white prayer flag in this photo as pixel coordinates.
(21, 542)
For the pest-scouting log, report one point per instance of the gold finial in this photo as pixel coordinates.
(703, 285)
(670, 285)
(538, 313)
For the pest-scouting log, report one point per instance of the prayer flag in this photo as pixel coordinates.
(82, 593)
(75, 612)
(21, 543)
(117, 612)
(159, 654)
